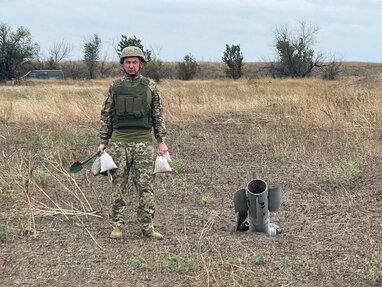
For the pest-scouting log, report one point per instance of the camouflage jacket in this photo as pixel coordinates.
(159, 128)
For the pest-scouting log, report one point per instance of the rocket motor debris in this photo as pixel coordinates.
(253, 205)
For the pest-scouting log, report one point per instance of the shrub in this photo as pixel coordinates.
(187, 69)
(233, 58)
(332, 70)
(152, 69)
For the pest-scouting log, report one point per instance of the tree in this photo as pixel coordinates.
(58, 51)
(124, 42)
(233, 58)
(152, 69)
(296, 57)
(187, 69)
(92, 54)
(16, 48)
(106, 66)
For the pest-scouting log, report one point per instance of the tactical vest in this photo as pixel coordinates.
(131, 108)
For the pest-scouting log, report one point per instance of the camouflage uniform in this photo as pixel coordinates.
(133, 157)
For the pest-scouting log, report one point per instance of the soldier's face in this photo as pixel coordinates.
(131, 65)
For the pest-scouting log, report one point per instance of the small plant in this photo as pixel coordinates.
(261, 136)
(231, 261)
(3, 234)
(285, 260)
(257, 258)
(3, 120)
(179, 166)
(279, 155)
(343, 172)
(51, 272)
(41, 178)
(78, 249)
(373, 268)
(137, 262)
(178, 263)
(207, 198)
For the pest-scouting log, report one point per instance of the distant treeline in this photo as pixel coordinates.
(205, 70)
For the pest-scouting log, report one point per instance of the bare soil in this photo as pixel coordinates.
(331, 232)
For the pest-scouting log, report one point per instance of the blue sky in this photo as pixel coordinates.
(350, 30)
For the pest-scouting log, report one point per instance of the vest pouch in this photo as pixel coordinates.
(131, 107)
(136, 108)
(120, 106)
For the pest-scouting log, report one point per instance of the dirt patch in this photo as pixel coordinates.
(331, 232)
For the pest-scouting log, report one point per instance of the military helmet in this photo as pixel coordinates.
(131, 51)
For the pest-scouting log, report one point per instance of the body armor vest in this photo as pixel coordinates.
(131, 108)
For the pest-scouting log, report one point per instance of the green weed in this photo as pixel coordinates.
(285, 260)
(3, 120)
(279, 155)
(78, 249)
(51, 272)
(3, 234)
(341, 173)
(137, 262)
(178, 263)
(180, 166)
(261, 136)
(372, 268)
(41, 178)
(231, 261)
(257, 258)
(207, 198)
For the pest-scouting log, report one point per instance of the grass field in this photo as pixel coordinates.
(320, 140)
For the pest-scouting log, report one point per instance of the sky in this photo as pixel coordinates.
(349, 30)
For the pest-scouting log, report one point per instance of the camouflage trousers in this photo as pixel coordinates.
(137, 160)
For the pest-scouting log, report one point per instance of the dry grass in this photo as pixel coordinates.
(303, 102)
(289, 108)
(333, 128)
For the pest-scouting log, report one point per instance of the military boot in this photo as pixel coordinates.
(116, 233)
(153, 234)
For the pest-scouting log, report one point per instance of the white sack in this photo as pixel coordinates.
(167, 156)
(161, 165)
(107, 162)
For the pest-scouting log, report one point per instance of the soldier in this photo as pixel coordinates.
(131, 112)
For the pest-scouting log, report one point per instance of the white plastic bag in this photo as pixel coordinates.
(167, 156)
(107, 162)
(161, 165)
